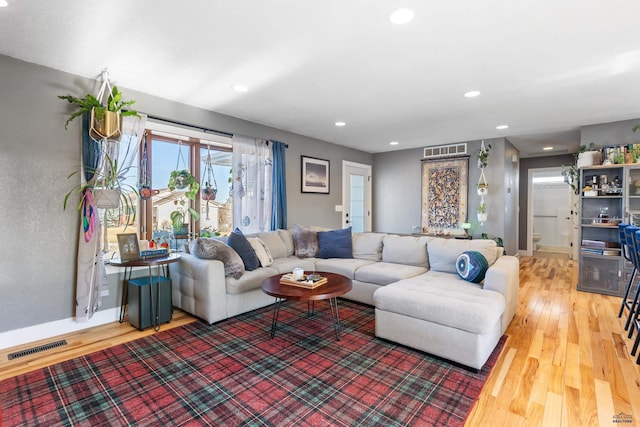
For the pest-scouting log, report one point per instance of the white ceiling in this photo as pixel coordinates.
(543, 67)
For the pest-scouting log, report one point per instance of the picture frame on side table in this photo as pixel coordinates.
(315, 175)
(128, 246)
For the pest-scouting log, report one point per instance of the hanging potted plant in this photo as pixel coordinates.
(482, 212)
(180, 180)
(105, 118)
(211, 187)
(483, 155)
(483, 188)
(183, 180)
(107, 188)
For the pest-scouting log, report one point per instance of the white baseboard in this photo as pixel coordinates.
(55, 328)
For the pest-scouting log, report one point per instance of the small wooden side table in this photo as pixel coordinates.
(161, 264)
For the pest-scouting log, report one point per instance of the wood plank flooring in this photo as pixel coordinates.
(566, 362)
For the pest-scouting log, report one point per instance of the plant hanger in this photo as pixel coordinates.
(105, 124)
(209, 192)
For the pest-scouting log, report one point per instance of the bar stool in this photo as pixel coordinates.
(632, 245)
(636, 319)
(626, 249)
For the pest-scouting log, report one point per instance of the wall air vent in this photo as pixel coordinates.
(445, 151)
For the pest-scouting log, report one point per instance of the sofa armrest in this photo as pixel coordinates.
(198, 287)
(504, 277)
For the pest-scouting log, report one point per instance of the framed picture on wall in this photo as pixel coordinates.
(128, 245)
(444, 195)
(315, 175)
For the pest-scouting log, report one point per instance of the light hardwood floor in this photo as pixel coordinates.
(566, 361)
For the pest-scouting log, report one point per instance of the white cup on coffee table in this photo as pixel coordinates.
(298, 273)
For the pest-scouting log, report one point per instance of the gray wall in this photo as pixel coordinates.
(37, 257)
(397, 189)
(614, 133)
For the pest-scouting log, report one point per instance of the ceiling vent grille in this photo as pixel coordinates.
(445, 151)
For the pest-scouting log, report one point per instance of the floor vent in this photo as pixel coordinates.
(37, 349)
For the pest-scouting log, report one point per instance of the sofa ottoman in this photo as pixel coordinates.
(442, 315)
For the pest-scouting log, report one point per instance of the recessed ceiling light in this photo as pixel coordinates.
(472, 94)
(401, 16)
(394, 143)
(547, 148)
(501, 127)
(3, 3)
(340, 124)
(240, 88)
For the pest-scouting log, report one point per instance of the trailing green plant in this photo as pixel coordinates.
(183, 179)
(115, 104)
(178, 216)
(110, 177)
(572, 173)
(483, 156)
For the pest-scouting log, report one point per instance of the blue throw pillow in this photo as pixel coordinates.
(335, 244)
(240, 244)
(472, 266)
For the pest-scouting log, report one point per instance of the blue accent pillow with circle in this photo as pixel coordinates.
(472, 266)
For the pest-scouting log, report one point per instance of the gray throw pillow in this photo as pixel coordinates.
(305, 242)
(215, 249)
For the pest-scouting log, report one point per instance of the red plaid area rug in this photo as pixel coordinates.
(231, 373)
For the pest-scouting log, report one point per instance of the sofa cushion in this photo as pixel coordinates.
(287, 238)
(383, 273)
(411, 250)
(335, 243)
(443, 253)
(305, 241)
(345, 266)
(367, 246)
(215, 249)
(262, 251)
(286, 265)
(472, 266)
(273, 241)
(445, 299)
(249, 281)
(241, 245)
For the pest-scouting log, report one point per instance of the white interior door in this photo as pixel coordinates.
(356, 196)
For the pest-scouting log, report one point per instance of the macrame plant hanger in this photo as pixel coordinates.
(483, 188)
(144, 183)
(209, 193)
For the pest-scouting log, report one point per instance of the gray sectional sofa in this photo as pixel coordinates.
(420, 301)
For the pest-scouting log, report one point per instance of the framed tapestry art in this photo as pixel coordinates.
(444, 195)
(315, 175)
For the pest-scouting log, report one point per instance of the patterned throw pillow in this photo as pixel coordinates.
(262, 251)
(214, 249)
(472, 266)
(240, 244)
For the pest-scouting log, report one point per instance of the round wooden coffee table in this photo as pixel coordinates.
(336, 286)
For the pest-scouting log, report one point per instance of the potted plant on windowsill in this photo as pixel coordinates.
(105, 119)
